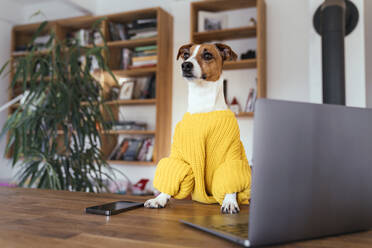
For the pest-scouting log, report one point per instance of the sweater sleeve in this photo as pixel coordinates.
(173, 176)
(234, 174)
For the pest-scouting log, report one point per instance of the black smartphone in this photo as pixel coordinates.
(113, 207)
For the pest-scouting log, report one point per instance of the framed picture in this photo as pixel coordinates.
(208, 21)
(126, 90)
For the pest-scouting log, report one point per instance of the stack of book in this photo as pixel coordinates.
(138, 29)
(142, 28)
(144, 56)
(134, 149)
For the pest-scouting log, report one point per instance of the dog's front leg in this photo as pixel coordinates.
(159, 202)
(230, 204)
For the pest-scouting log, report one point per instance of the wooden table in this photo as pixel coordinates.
(43, 218)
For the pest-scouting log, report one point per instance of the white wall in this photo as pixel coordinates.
(50, 10)
(9, 15)
(288, 22)
(354, 60)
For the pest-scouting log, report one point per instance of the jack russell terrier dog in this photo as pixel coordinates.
(207, 158)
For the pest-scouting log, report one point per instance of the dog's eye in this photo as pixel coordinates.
(186, 55)
(207, 56)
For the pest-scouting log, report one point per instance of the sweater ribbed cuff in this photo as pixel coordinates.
(174, 177)
(234, 177)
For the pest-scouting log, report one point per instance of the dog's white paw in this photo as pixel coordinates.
(230, 205)
(159, 202)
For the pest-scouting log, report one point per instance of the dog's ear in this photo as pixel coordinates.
(226, 52)
(183, 49)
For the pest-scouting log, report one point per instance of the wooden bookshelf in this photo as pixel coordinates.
(258, 32)
(22, 34)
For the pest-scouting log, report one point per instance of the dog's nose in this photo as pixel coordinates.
(187, 66)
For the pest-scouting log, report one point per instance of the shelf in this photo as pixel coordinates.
(132, 102)
(133, 43)
(25, 53)
(225, 34)
(138, 132)
(135, 72)
(122, 162)
(217, 5)
(117, 132)
(46, 78)
(240, 64)
(245, 114)
(127, 102)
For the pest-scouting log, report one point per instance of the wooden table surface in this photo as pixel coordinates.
(43, 218)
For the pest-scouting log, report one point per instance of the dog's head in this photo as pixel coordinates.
(204, 62)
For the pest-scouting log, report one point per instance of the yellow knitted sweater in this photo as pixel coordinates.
(207, 160)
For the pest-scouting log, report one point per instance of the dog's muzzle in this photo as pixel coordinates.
(187, 68)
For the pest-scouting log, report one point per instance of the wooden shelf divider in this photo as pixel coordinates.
(136, 72)
(132, 102)
(245, 114)
(133, 43)
(240, 64)
(124, 162)
(130, 132)
(225, 34)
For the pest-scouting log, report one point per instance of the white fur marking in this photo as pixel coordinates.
(159, 202)
(197, 69)
(205, 96)
(230, 205)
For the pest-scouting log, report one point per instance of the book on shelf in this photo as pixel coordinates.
(126, 57)
(142, 23)
(144, 58)
(140, 57)
(144, 53)
(249, 107)
(143, 35)
(144, 62)
(142, 28)
(142, 66)
(137, 29)
(134, 149)
(145, 48)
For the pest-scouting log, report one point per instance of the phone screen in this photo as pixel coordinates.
(113, 207)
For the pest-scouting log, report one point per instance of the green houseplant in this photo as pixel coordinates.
(55, 133)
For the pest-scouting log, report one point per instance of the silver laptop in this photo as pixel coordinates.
(312, 175)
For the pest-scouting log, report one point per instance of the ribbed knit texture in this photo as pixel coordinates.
(207, 160)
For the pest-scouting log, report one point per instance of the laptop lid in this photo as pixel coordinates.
(312, 171)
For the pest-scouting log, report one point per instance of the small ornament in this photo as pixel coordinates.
(235, 106)
(252, 22)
